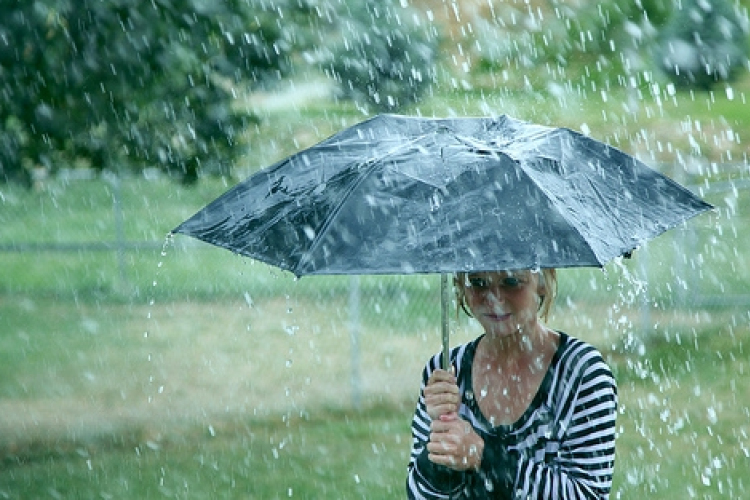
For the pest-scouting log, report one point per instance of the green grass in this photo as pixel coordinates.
(333, 454)
(683, 421)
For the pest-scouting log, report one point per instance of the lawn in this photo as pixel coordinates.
(224, 400)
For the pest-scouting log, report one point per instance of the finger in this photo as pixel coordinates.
(439, 382)
(446, 460)
(442, 397)
(441, 426)
(442, 447)
(452, 424)
(442, 409)
(435, 412)
(449, 416)
(441, 375)
(442, 392)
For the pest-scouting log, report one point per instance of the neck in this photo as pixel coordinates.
(518, 347)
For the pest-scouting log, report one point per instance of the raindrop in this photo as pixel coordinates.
(712, 415)
(291, 330)
(309, 232)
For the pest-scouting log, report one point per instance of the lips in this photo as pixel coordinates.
(497, 317)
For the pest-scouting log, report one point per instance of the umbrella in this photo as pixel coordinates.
(405, 195)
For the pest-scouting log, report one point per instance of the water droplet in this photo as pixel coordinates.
(712, 415)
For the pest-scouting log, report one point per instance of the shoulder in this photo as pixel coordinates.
(576, 352)
(577, 359)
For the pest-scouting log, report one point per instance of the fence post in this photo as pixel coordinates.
(119, 227)
(354, 329)
(645, 305)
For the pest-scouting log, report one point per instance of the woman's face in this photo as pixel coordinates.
(504, 303)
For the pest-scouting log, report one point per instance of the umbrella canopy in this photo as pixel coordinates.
(402, 195)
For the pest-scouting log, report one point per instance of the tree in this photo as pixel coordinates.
(512, 37)
(382, 54)
(131, 83)
(703, 43)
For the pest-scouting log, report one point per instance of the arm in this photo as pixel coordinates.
(448, 454)
(425, 479)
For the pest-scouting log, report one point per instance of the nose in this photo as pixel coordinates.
(494, 295)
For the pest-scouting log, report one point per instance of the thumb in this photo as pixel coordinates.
(449, 417)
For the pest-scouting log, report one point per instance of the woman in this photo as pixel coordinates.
(525, 412)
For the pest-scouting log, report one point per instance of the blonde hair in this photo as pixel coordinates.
(547, 283)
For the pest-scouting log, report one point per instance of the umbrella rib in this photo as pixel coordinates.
(306, 258)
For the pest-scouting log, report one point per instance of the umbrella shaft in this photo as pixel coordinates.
(444, 300)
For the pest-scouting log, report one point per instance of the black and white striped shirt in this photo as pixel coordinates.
(563, 447)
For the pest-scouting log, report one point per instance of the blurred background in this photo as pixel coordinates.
(138, 365)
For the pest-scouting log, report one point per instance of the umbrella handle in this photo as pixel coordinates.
(444, 299)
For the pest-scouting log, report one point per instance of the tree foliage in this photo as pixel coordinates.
(512, 37)
(703, 43)
(131, 83)
(381, 54)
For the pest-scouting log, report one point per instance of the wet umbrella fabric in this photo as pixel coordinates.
(402, 195)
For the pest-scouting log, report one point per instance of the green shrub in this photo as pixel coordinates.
(383, 55)
(703, 43)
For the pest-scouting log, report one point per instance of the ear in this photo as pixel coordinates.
(541, 288)
(541, 291)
